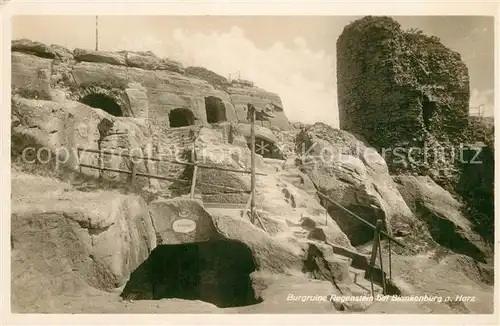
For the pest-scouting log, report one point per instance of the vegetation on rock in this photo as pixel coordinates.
(476, 183)
(399, 89)
(109, 84)
(211, 77)
(407, 94)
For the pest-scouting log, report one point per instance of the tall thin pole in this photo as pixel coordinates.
(381, 262)
(195, 172)
(252, 162)
(97, 33)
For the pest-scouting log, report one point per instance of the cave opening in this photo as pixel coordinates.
(180, 118)
(103, 102)
(428, 110)
(217, 272)
(216, 111)
(267, 149)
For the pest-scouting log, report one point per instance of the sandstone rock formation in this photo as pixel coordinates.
(50, 133)
(99, 240)
(107, 79)
(65, 240)
(193, 224)
(36, 48)
(442, 214)
(476, 182)
(301, 248)
(353, 175)
(149, 241)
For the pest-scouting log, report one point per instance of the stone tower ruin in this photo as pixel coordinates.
(399, 88)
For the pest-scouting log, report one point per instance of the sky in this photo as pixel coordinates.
(293, 56)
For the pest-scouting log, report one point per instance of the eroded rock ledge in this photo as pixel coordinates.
(140, 85)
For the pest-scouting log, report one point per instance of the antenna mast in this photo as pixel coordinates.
(97, 33)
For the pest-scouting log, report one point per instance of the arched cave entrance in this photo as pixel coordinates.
(428, 110)
(213, 271)
(180, 118)
(216, 111)
(267, 149)
(103, 102)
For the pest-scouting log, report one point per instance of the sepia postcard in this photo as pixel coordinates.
(214, 165)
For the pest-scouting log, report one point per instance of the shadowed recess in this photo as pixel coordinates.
(428, 110)
(103, 102)
(267, 149)
(181, 118)
(216, 112)
(217, 272)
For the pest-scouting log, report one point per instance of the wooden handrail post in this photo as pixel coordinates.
(133, 169)
(390, 261)
(388, 229)
(195, 172)
(78, 150)
(379, 228)
(243, 214)
(156, 156)
(100, 159)
(252, 161)
(373, 257)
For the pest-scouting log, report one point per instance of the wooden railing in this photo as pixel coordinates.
(134, 173)
(377, 247)
(378, 228)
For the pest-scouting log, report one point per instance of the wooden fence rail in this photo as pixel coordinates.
(160, 177)
(362, 220)
(377, 248)
(134, 173)
(146, 158)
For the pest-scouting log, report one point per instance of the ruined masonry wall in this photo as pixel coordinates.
(399, 88)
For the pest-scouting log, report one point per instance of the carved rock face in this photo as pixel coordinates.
(142, 84)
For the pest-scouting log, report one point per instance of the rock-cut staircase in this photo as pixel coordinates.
(350, 268)
(346, 269)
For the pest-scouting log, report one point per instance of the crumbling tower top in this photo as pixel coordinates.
(398, 87)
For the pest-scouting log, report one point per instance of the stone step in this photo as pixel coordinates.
(298, 231)
(356, 274)
(224, 205)
(274, 163)
(358, 278)
(335, 257)
(296, 181)
(218, 211)
(301, 234)
(365, 287)
(357, 281)
(290, 175)
(360, 288)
